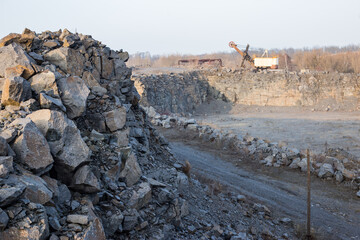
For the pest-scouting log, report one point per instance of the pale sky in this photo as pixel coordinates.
(191, 26)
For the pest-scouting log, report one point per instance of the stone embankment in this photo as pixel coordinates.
(183, 92)
(334, 164)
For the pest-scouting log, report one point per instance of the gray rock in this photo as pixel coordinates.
(130, 220)
(15, 90)
(95, 231)
(141, 197)
(52, 184)
(76, 218)
(240, 198)
(6, 166)
(3, 147)
(99, 91)
(64, 139)
(64, 194)
(51, 43)
(154, 183)
(74, 93)
(240, 236)
(54, 223)
(124, 56)
(12, 56)
(115, 119)
(94, 135)
(51, 103)
(67, 59)
(9, 194)
(85, 181)
(294, 163)
(37, 57)
(4, 219)
(131, 171)
(31, 147)
(113, 223)
(45, 82)
(36, 188)
(338, 176)
(326, 170)
(122, 137)
(90, 80)
(358, 194)
(8, 134)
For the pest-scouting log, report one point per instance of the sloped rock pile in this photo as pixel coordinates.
(76, 150)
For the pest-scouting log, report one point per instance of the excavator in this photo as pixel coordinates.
(257, 62)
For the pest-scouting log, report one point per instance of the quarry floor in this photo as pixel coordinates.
(335, 209)
(297, 127)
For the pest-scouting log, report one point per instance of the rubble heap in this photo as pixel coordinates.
(76, 150)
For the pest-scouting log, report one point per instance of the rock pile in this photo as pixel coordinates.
(76, 150)
(335, 164)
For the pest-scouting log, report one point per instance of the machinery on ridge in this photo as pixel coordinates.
(257, 62)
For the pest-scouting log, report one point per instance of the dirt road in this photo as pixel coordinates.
(335, 212)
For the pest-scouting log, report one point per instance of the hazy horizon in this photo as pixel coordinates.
(192, 27)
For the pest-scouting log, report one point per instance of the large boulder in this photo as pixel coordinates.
(67, 59)
(50, 102)
(141, 197)
(9, 194)
(85, 181)
(115, 119)
(45, 82)
(15, 90)
(326, 170)
(90, 80)
(74, 93)
(12, 56)
(66, 145)
(31, 147)
(95, 231)
(131, 171)
(36, 189)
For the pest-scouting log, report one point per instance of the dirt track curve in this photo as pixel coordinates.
(333, 213)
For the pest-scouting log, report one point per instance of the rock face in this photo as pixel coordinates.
(31, 147)
(74, 93)
(183, 92)
(15, 90)
(12, 56)
(66, 144)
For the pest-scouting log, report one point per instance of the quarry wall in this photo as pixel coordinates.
(182, 92)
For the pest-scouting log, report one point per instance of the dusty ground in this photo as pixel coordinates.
(335, 209)
(299, 127)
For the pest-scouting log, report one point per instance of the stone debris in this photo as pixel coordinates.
(84, 161)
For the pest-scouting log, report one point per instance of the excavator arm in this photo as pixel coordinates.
(244, 54)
